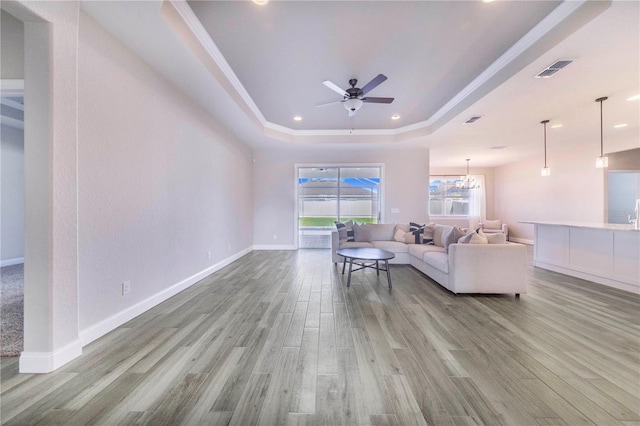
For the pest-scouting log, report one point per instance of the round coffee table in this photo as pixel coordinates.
(364, 257)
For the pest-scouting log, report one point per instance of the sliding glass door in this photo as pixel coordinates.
(329, 194)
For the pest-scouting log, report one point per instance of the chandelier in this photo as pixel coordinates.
(468, 181)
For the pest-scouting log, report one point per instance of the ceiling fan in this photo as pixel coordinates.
(353, 97)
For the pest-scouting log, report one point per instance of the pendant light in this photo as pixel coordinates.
(468, 181)
(546, 171)
(602, 161)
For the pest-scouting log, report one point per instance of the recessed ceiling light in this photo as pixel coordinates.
(297, 118)
(556, 126)
(621, 125)
(634, 98)
(488, 1)
(261, 2)
(395, 117)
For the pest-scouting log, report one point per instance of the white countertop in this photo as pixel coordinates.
(593, 225)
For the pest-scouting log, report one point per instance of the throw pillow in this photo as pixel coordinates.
(437, 234)
(409, 238)
(497, 238)
(416, 229)
(399, 235)
(492, 224)
(345, 231)
(473, 237)
(360, 233)
(451, 236)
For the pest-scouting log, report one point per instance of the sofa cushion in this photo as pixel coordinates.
(345, 230)
(352, 244)
(360, 233)
(492, 224)
(451, 236)
(380, 231)
(497, 238)
(440, 261)
(418, 250)
(437, 234)
(392, 246)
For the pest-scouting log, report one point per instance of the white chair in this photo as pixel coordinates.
(495, 227)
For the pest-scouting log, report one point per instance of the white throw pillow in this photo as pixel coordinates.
(399, 235)
(474, 237)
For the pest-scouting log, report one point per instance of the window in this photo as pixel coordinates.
(327, 194)
(446, 198)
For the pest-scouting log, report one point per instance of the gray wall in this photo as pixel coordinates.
(12, 191)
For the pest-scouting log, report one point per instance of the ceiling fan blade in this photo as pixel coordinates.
(329, 103)
(373, 84)
(335, 88)
(378, 100)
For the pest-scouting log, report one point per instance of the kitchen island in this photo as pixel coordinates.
(604, 253)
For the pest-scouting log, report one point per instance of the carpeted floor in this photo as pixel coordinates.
(11, 310)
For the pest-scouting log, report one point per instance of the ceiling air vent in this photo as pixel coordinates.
(553, 68)
(472, 119)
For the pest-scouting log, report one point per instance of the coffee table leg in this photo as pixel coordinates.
(344, 263)
(377, 268)
(386, 263)
(350, 265)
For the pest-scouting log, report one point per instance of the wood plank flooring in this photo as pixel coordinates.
(276, 338)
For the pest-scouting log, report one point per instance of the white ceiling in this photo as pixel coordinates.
(255, 67)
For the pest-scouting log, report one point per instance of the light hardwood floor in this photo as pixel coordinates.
(277, 338)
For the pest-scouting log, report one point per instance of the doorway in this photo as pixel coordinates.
(335, 193)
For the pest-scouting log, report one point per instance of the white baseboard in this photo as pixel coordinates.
(611, 282)
(521, 241)
(275, 247)
(14, 261)
(46, 362)
(98, 330)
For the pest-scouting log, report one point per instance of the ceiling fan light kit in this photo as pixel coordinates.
(353, 97)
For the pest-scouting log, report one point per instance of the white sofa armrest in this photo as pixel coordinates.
(488, 268)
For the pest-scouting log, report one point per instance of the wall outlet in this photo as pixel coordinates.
(126, 287)
(275, 236)
(209, 254)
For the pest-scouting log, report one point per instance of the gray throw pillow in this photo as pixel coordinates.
(451, 236)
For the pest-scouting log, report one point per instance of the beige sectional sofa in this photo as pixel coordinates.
(460, 268)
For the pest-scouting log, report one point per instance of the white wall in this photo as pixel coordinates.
(406, 186)
(161, 183)
(12, 47)
(573, 192)
(12, 191)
